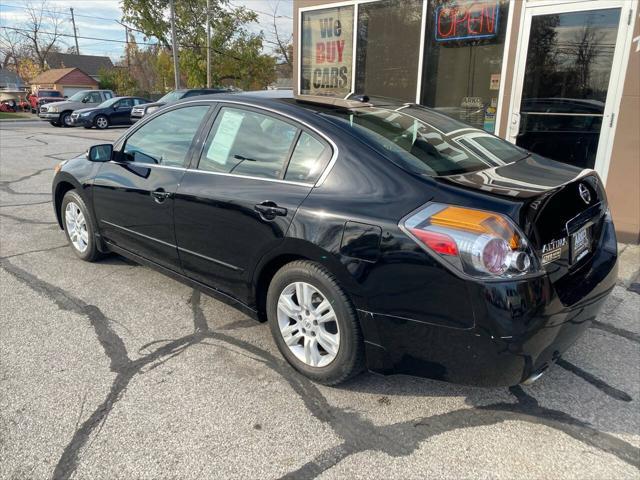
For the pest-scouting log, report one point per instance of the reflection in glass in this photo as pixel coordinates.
(388, 49)
(462, 68)
(566, 78)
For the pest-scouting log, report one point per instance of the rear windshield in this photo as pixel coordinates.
(425, 142)
(49, 93)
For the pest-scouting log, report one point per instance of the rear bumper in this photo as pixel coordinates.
(521, 327)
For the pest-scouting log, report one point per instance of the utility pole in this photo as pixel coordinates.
(75, 33)
(126, 32)
(176, 67)
(208, 43)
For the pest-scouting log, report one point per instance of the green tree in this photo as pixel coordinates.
(119, 80)
(237, 57)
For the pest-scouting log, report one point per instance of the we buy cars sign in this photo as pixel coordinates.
(328, 40)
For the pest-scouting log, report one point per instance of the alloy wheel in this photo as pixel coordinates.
(76, 227)
(308, 324)
(102, 122)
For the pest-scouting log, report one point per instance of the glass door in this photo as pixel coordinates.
(563, 106)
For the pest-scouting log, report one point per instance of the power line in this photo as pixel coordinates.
(79, 36)
(59, 13)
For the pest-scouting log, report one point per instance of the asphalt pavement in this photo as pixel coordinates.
(112, 370)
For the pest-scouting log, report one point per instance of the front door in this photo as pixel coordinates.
(122, 111)
(238, 200)
(133, 193)
(568, 65)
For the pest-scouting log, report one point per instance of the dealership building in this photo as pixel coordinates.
(558, 77)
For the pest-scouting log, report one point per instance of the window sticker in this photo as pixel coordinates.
(225, 136)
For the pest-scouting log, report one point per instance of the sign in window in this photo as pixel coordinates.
(327, 52)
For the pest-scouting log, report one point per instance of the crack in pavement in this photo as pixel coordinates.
(358, 434)
(23, 220)
(600, 384)
(6, 205)
(621, 332)
(6, 185)
(34, 251)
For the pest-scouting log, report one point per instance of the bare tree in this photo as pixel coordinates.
(283, 44)
(42, 30)
(12, 48)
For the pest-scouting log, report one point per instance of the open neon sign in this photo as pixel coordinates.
(468, 21)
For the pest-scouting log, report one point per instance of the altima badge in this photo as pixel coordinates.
(584, 193)
(552, 251)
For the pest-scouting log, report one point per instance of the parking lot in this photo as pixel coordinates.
(112, 370)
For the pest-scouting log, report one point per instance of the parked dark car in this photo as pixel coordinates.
(115, 111)
(372, 233)
(141, 110)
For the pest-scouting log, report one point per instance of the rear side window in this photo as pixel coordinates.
(107, 95)
(166, 139)
(309, 159)
(244, 142)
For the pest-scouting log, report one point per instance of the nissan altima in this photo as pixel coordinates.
(370, 234)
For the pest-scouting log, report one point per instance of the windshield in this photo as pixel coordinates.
(49, 93)
(172, 96)
(77, 97)
(410, 137)
(108, 103)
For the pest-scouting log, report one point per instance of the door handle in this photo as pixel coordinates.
(160, 195)
(270, 210)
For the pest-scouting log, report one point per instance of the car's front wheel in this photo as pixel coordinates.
(65, 119)
(314, 323)
(101, 122)
(79, 226)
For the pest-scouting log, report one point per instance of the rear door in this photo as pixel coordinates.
(237, 201)
(133, 193)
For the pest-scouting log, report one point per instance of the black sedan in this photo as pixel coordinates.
(148, 108)
(368, 234)
(115, 111)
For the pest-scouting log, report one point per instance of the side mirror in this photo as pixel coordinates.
(85, 99)
(100, 153)
(66, 96)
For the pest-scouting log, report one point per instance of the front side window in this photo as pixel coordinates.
(125, 103)
(166, 139)
(248, 143)
(95, 97)
(327, 52)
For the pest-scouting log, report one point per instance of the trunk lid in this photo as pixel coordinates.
(561, 208)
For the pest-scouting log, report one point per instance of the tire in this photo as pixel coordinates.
(101, 122)
(55, 124)
(65, 119)
(71, 201)
(331, 367)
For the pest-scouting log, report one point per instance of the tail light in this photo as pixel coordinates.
(476, 242)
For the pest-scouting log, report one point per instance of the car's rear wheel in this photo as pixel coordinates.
(101, 122)
(314, 323)
(65, 119)
(79, 226)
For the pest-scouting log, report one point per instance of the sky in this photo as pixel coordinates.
(97, 19)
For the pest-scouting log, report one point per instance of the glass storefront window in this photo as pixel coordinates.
(388, 49)
(327, 51)
(464, 46)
